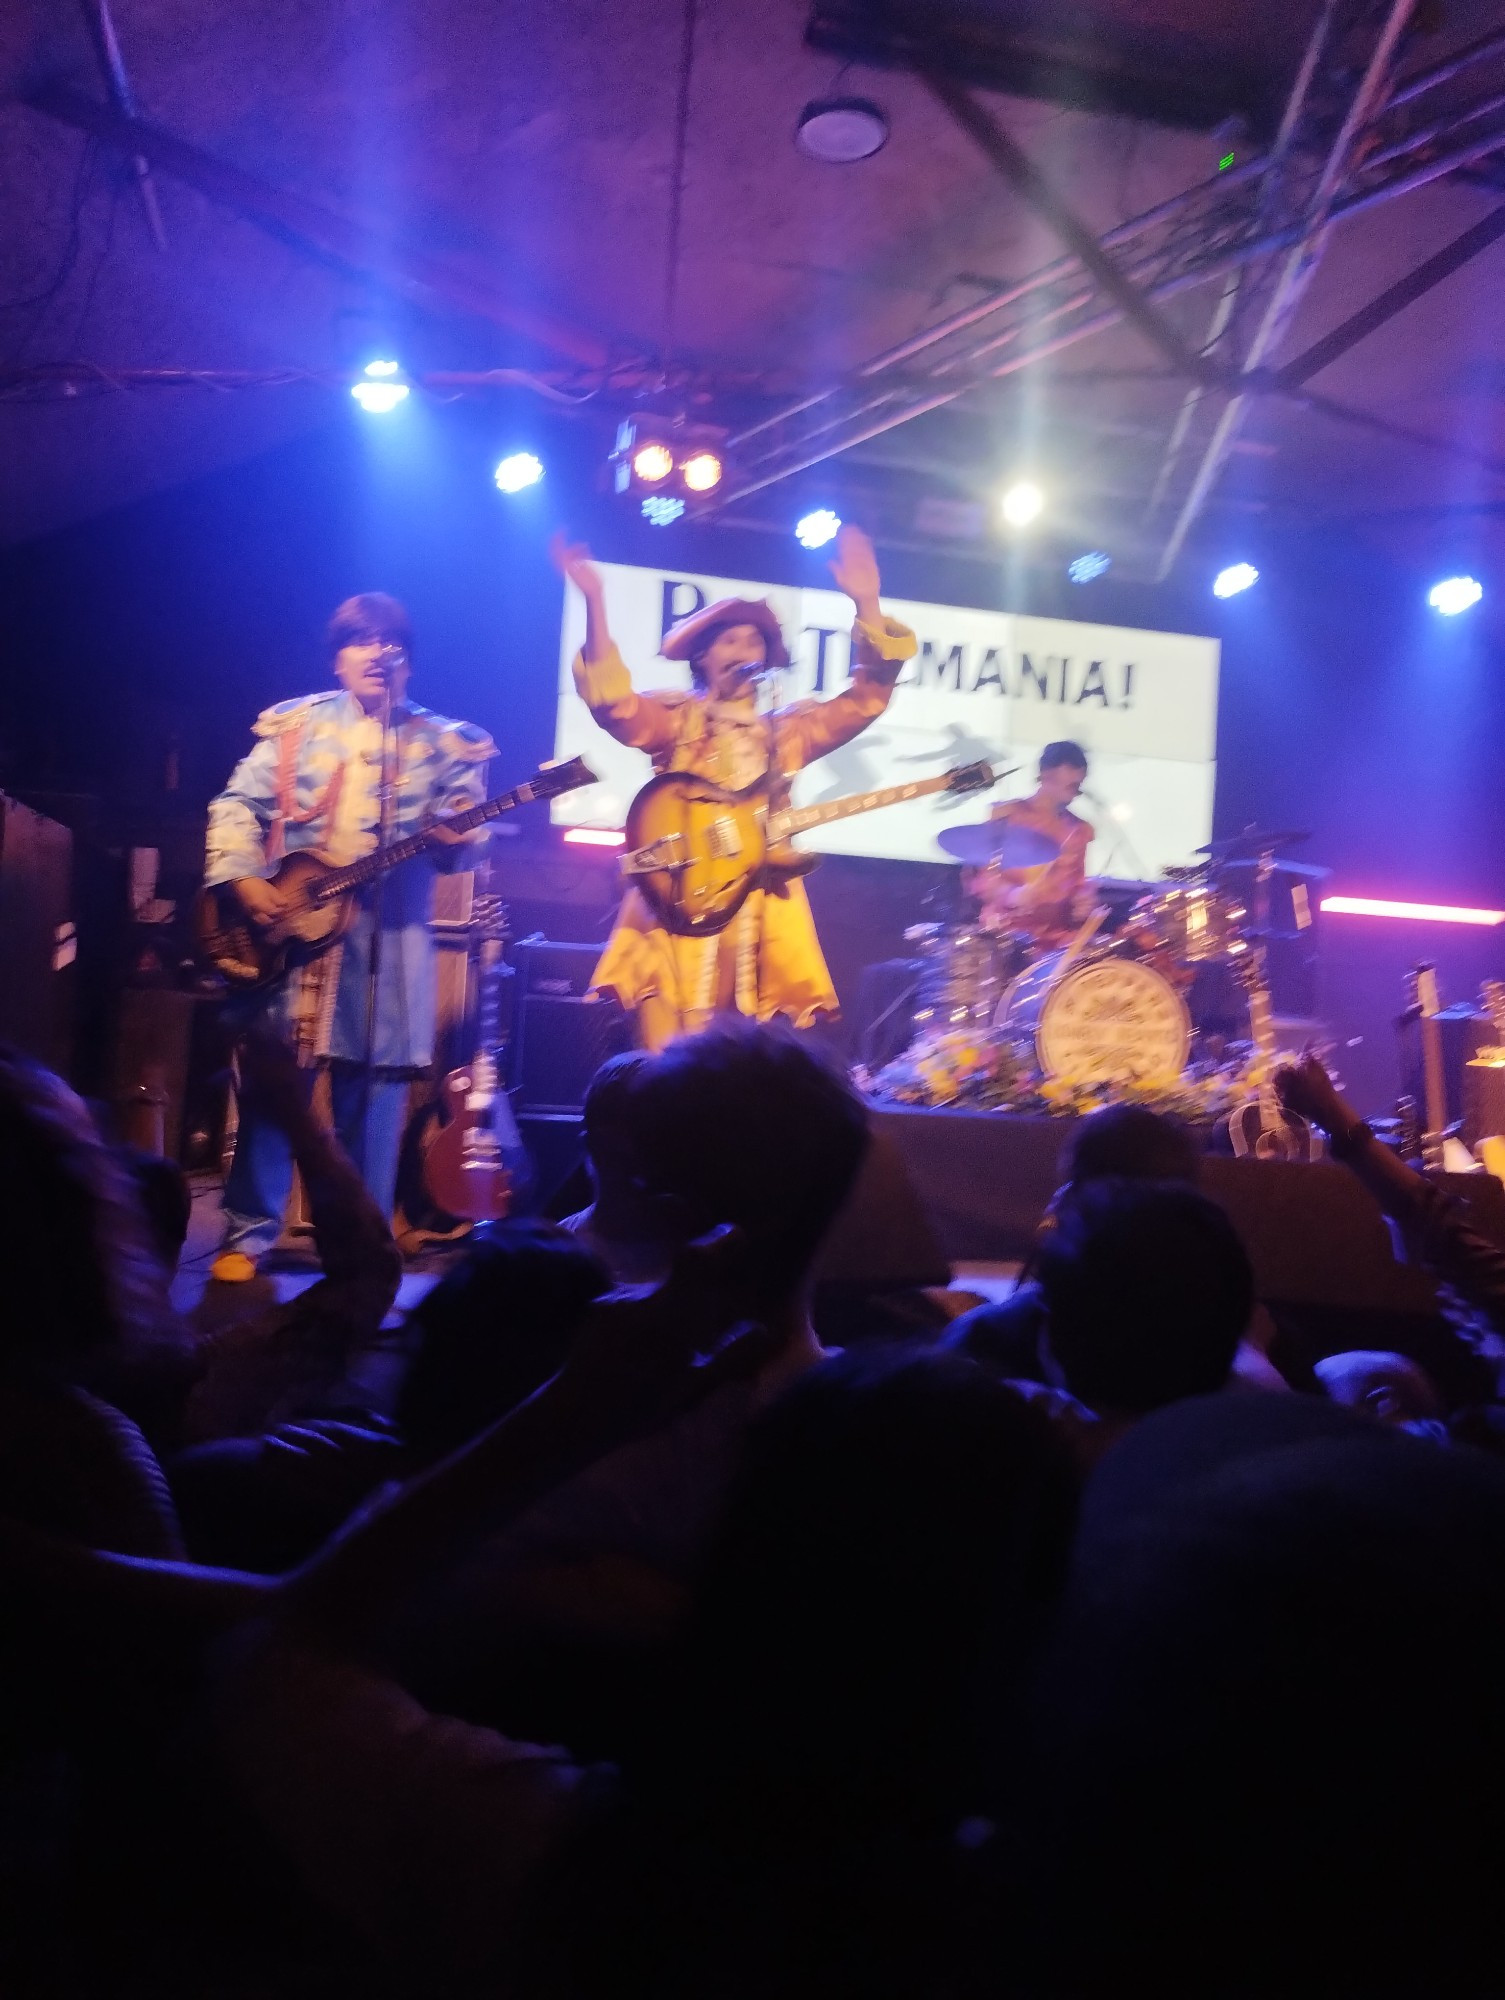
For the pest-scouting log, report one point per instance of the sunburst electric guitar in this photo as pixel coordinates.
(320, 899)
(697, 851)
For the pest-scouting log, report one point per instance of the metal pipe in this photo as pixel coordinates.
(1218, 185)
(1438, 129)
(101, 28)
(1444, 72)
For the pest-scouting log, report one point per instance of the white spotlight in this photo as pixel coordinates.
(1022, 503)
(1455, 594)
(517, 470)
(378, 399)
(813, 531)
(1238, 576)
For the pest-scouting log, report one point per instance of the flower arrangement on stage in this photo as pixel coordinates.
(970, 1071)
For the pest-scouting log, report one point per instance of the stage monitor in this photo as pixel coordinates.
(985, 685)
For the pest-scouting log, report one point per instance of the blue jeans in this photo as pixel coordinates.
(261, 1174)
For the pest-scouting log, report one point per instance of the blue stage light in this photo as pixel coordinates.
(382, 370)
(1087, 568)
(519, 469)
(813, 531)
(662, 508)
(1238, 576)
(1455, 594)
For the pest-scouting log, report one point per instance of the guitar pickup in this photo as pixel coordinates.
(723, 842)
(666, 853)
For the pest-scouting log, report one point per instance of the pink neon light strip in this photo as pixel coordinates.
(595, 836)
(1427, 913)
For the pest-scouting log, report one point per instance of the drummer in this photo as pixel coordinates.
(1033, 889)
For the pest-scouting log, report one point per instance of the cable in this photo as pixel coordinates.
(677, 185)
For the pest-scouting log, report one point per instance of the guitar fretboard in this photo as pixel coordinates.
(547, 785)
(799, 819)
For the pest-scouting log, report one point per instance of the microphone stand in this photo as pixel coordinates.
(385, 800)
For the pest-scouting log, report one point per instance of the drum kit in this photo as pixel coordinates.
(1116, 1003)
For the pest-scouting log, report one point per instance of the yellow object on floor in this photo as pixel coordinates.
(232, 1267)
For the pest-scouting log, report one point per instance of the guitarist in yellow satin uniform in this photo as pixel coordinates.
(768, 960)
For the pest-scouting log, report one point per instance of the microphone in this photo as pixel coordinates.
(392, 658)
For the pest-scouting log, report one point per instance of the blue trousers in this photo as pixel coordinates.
(261, 1174)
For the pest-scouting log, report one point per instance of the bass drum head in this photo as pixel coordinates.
(1107, 1020)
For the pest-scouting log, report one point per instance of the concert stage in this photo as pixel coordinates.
(1315, 1236)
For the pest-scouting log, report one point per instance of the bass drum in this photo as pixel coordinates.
(1105, 1020)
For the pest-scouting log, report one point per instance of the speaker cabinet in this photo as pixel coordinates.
(558, 1044)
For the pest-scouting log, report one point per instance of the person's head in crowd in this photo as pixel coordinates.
(162, 1188)
(606, 1131)
(82, 1285)
(1147, 1292)
(493, 1331)
(1129, 1142)
(1388, 1387)
(895, 1538)
(742, 1125)
(1267, 1681)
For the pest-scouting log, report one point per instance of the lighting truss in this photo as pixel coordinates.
(1352, 137)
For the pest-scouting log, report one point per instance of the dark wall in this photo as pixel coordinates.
(154, 634)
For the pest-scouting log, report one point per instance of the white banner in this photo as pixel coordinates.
(986, 684)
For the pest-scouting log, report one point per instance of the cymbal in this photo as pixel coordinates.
(1253, 841)
(976, 844)
(1309, 871)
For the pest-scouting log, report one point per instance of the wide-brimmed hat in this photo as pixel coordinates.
(684, 640)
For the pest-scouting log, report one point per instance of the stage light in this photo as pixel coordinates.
(813, 531)
(378, 399)
(1022, 503)
(382, 370)
(594, 836)
(701, 471)
(518, 470)
(1455, 594)
(1426, 913)
(1238, 576)
(652, 463)
(1088, 568)
(662, 508)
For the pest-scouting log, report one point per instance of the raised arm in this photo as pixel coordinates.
(880, 646)
(602, 681)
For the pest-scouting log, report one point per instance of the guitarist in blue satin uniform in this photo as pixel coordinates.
(313, 781)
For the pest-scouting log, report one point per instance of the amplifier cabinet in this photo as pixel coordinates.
(560, 1038)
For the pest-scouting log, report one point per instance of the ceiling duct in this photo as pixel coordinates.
(1085, 57)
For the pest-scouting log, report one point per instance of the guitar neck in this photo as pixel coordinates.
(546, 785)
(799, 819)
(1261, 1029)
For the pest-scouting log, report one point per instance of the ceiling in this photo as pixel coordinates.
(522, 159)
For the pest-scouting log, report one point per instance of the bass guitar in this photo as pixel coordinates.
(1262, 1128)
(696, 851)
(464, 1161)
(320, 899)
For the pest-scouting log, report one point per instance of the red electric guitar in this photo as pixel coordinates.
(464, 1169)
